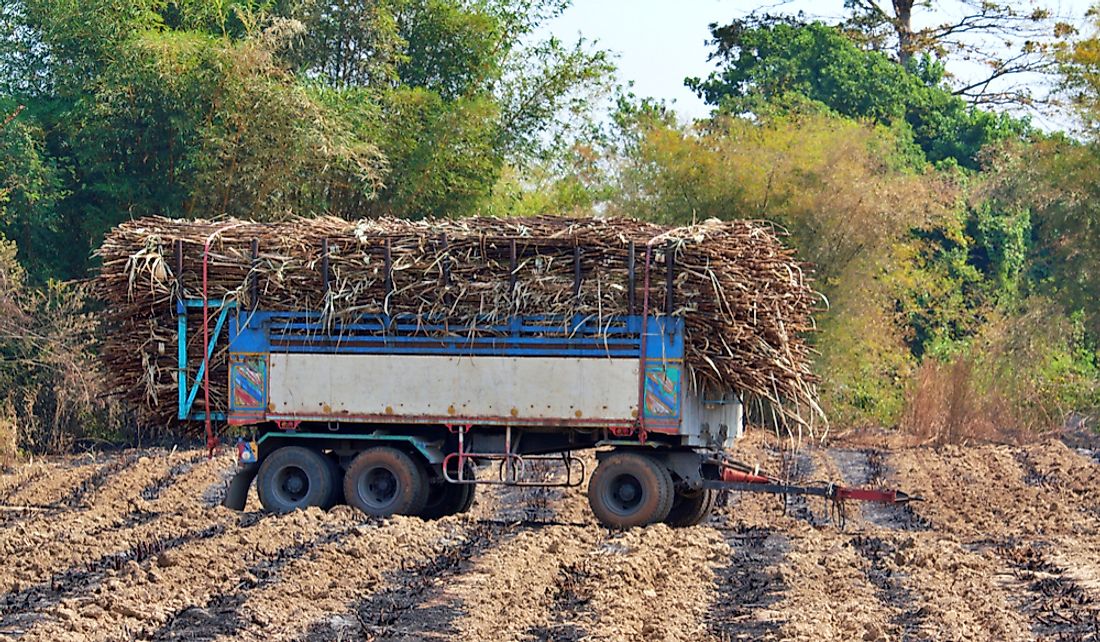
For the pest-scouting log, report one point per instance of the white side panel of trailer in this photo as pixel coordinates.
(524, 387)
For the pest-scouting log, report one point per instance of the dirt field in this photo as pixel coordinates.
(132, 545)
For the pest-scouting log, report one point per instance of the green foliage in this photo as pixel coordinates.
(768, 59)
(31, 188)
(848, 194)
(444, 154)
(843, 189)
(268, 108)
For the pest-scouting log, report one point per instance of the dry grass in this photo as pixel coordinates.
(946, 405)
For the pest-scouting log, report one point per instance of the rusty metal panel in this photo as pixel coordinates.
(519, 387)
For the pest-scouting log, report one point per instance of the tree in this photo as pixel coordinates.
(31, 188)
(765, 62)
(1080, 67)
(270, 108)
(465, 88)
(1009, 40)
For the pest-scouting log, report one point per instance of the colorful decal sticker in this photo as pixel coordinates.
(249, 377)
(662, 391)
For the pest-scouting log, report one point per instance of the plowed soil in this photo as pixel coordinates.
(133, 545)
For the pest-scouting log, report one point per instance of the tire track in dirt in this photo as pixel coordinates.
(60, 478)
(652, 583)
(1060, 609)
(429, 600)
(511, 591)
(818, 586)
(749, 586)
(25, 605)
(327, 580)
(146, 595)
(411, 604)
(457, 593)
(979, 491)
(940, 588)
(19, 479)
(67, 519)
(221, 614)
(118, 520)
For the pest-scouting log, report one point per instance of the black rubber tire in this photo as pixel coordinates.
(445, 498)
(294, 477)
(338, 480)
(384, 481)
(689, 509)
(471, 493)
(630, 489)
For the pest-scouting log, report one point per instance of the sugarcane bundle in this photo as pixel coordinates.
(746, 301)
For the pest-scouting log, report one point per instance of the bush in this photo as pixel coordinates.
(1025, 375)
(50, 379)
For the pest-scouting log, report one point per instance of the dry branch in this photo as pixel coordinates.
(745, 299)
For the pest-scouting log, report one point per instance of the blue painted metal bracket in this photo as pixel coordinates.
(187, 393)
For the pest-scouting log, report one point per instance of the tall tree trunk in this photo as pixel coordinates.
(903, 24)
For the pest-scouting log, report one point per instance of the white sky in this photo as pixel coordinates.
(660, 42)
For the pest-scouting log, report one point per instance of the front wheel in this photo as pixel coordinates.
(629, 489)
(384, 481)
(294, 477)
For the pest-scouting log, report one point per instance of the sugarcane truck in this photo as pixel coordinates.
(399, 414)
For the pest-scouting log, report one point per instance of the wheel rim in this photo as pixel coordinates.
(378, 487)
(623, 495)
(291, 484)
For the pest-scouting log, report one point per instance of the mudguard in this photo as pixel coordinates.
(237, 494)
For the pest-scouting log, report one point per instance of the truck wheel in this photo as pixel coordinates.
(629, 489)
(293, 477)
(448, 499)
(445, 498)
(337, 480)
(384, 481)
(689, 509)
(468, 500)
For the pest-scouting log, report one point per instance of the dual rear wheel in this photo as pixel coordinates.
(631, 489)
(381, 481)
(627, 489)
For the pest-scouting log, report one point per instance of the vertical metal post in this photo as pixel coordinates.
(512, 266)
(576, 271)
(387, 263)
(511, 472)
(324, 262)
(630, 279)
(644, 346)
(445, 262)
(254, 280)
(670, 262)
(181, 333)
(179, 269)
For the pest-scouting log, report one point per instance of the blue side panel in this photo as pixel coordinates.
(254, 335)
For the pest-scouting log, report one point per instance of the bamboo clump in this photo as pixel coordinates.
(746, 301)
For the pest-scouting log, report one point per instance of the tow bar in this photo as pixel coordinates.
(737, 476)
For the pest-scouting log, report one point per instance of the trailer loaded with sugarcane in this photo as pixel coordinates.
(396, 365)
